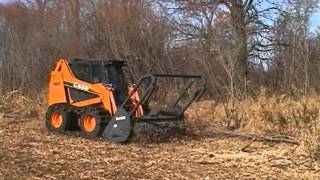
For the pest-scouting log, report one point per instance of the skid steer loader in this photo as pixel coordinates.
(98, 98)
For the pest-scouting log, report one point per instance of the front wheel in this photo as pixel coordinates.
(92, 123)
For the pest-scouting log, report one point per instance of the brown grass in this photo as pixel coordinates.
(13, 105)
(261, 115)
(268, 115)
(206, 150)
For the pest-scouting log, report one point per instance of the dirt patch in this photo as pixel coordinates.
(28, 151)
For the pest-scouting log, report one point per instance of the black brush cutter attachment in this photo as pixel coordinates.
(120, 128)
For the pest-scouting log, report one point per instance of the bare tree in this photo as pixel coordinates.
(294, 29)
(239, 45)
(242, 25)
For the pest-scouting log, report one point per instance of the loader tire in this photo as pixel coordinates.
(59, 118)
(92, 123)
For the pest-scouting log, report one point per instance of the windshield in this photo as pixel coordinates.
(88, 73)
(114, 75)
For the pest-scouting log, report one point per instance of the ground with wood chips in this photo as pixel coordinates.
(28, 151)
(205, 150)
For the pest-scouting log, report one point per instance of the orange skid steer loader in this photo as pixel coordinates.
(98, 97)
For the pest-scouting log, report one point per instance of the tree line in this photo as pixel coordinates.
(238, 45)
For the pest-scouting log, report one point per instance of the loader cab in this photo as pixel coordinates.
(111, 73)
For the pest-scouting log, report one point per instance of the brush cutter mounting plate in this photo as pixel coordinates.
(119, 128)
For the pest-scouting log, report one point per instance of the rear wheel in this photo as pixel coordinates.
(56, 120)
(60, 118)
(92, 123)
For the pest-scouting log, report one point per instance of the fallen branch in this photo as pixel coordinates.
(244, 148)
(253, 137)
(276, 138)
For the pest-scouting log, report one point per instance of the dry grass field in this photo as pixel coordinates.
(206, 149)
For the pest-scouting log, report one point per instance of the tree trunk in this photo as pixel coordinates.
(241, 51)
(76, 26)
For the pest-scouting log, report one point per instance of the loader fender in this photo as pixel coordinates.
(119, 128)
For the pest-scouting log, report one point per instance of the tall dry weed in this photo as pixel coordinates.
(14, 105)
(284, 115)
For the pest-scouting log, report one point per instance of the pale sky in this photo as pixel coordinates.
(315, 21)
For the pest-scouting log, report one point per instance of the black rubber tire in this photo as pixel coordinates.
(69, 120)
(101, 121)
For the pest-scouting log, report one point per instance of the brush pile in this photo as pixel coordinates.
(15, 107)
